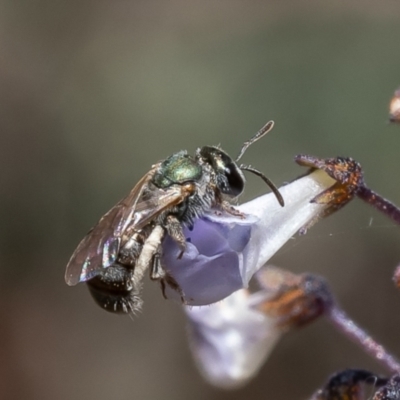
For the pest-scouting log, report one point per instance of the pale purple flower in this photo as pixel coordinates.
(230, 340)
(224, 252)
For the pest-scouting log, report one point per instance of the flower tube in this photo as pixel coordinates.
(225, 251)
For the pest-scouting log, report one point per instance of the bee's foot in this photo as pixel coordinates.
(180, 255)
(232, 210)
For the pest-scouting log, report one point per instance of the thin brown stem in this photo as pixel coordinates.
(380, 203)
(347, 326)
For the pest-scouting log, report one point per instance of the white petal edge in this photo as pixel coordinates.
(229, 340)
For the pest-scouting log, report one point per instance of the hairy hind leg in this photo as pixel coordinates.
(158, 273)
(174, 229)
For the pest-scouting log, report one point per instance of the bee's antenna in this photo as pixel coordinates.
(262, 132)
(265, 179)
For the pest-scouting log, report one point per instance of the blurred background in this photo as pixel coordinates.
(93, 93)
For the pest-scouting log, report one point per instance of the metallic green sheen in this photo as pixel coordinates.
(179, 168)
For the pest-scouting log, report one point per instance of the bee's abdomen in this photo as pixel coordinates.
(114, 290)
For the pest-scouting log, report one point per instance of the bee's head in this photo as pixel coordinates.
(229, 178)
(229, 175)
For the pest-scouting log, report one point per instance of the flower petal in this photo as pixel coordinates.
(230, 340)
(225, 251)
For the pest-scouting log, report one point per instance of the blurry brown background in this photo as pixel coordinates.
(93, 93)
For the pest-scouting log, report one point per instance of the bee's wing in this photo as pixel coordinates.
(160, 200)
(99, 248)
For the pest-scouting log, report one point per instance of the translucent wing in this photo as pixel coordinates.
(160, 200)
(99, 248)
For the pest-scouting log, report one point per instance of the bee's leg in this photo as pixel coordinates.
(158, 273)
(174, 229)
(227, 207)
(150, 248)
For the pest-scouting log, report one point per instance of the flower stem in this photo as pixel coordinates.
(345, 325)
(380, 203)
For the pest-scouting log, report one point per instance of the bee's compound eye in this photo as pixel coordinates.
(235, 180)
(230, 178)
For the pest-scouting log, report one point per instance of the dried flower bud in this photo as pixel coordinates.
(349, 385)
(294, 300)
(391, 391)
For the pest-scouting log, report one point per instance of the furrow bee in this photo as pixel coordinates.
(114, 256)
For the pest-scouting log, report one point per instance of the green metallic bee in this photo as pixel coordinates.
(114, 256)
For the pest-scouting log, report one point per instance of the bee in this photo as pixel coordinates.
(127, 241)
